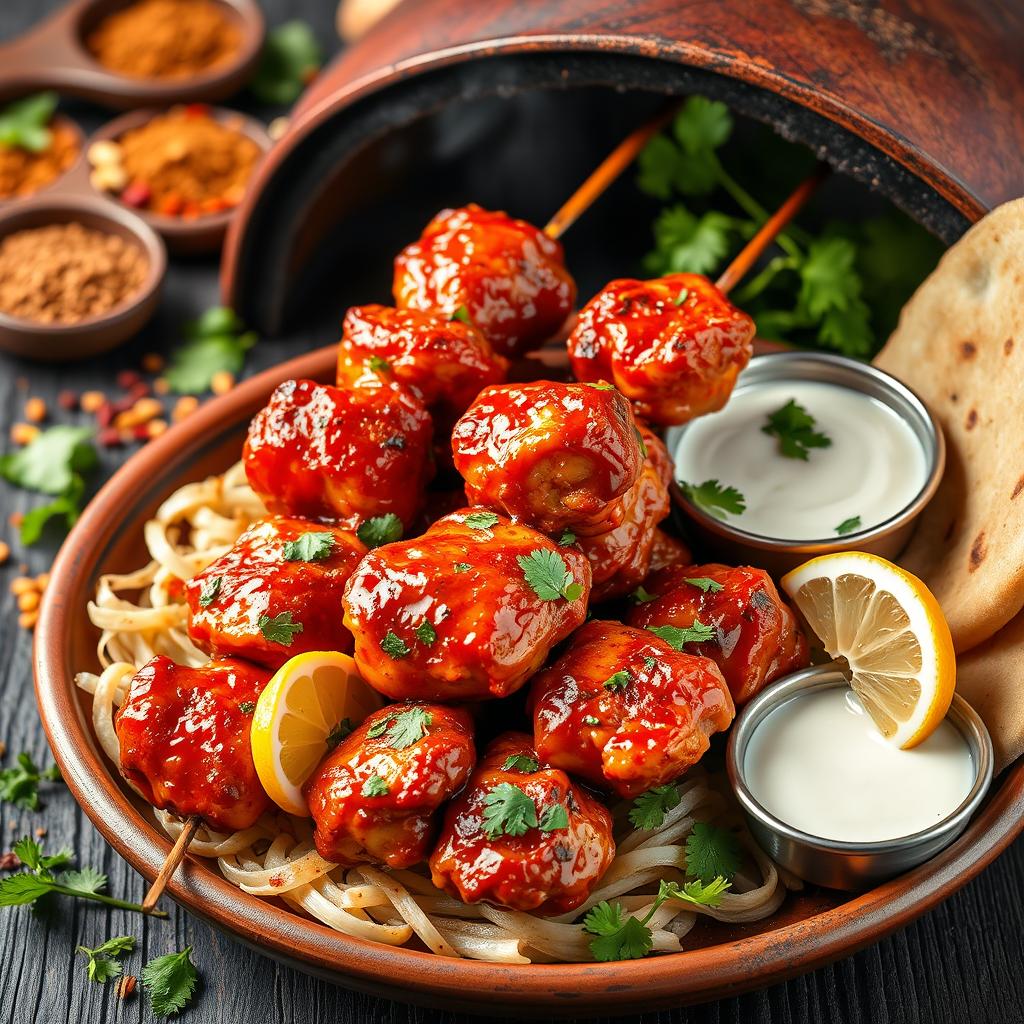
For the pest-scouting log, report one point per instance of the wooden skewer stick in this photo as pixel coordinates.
(749, 254)
(605, 173)
(174, 858)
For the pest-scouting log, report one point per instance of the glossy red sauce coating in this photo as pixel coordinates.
(627, 732)
(397, 827)
(487, 629)
(508, 275)
(757, 636)
(184, 736)
(322, 452)
(674, 359)
(547, 872)
(547, 454)
(445, 362)
(257, 580)
(620, 557)
(668, 550)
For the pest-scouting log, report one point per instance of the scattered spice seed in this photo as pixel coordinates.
(24, 433)
(68, 401)
(5, 552)
(35, 410)
(9, 861)
(28, 620)
(126, 986)
(29, 601)
(91, 401)
(22, 585)
(185, 405)
(222, 382)
(156, 427)
(152, 362)
(162, 386)
(42, 581)
(15, 519)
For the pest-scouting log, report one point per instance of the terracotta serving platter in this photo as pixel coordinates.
(811, 929)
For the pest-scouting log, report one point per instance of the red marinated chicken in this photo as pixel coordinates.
(551, 455)
(668, 550)
(521, 835)
(621, 557)
(625, 710)
(326, 453)
(184, 736)
(374, 796)
(507, 275)
(756, 636)
(276, 593)
(444, 361)
(673, 345)
(467, 611)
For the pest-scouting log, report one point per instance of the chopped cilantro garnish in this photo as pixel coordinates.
(794, 427)
(520, 763)
(709, 586)
(591, 720)
(714, 499)
(247, 707)
(425, 633)
(342, 730)
(481, 520)
(375, 786)
(848, 525)
(618, 680)
(642, 596)
(310, 547)
(408, 727)
(508, 810)
(698, 633)
(462, 313)
(461, 566)
(378, 365)
(712, 852)
(553, 818)
(210, 591)
(649, 809)
(567, 539)
(385, 529)
(279, 629)
(547, 574)
(393, 645)
(684, 294)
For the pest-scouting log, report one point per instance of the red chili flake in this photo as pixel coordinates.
(141, 432)
(127, 379)
(109, 437)
(197, 110)
(105, 414)
(9, 861)
(136, 194)
(68, 400)
(140, 390)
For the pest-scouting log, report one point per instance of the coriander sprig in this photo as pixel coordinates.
(102, 962)
(677, 637)
(713, 498)
(793, 426)
(170, 981)
(19, 784)
(548, 575)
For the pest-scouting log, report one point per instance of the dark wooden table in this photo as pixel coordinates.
(962, 962)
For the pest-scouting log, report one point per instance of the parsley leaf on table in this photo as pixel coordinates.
(170, 981)
(714, 499)
(649, 809)
(23, 123)
(704, 583)
(215, 343)
(520, 763)
(793, 426)
(547, 574)
(19, 784)
(676, 637)
(279, 629)
(712, 852)
(379, 530)
(291, 58)
(508, 810)
(848, 526)
(102, 965)
(313, 546)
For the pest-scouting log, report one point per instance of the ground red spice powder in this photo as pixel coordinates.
(23, 172)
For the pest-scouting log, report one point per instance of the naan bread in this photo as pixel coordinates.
(960, 345)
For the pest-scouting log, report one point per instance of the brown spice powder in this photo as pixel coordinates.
(165, 38)
(22, 172)
(63, 273)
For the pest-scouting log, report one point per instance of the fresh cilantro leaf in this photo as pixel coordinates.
(794, 427)
(704, 583)
(393, 645)
(657, 165)
(215, 343)
(375, 786)
(701, 894)
(19, 784)
(650, 663)
(481, 520)
(848, 330)
(684, 294)
(291, 58)
(547, 574)
(385, 529)
(408, 727)
(520, 763)
(101, 965)
(210, 591)
(378, 365)
(600, 385)
(848, 526)
(827, 277)
(67, 506)
(462, 313)
(553, 818)
(378, 728)
(714, 499)
(280, 629)
(642, 596)
(567, 539)
(426, 633)
(591, 720)
(23, 124)
(313, 546)
(712, 852)
(675, 637)
(83, 881)
(618, 680)
(23, 888)
(338, 733)
(508, 810)
(214, 322)
(702, 124)
(649, 809)
(461, 566)
(686, 243)
(618, 937)
(30, 853)
(247, 707)
(170, 981)
(51, 461)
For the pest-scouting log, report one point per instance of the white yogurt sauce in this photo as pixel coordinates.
(873, 469)
(818, 763)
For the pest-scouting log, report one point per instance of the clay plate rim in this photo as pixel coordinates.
(562, 989)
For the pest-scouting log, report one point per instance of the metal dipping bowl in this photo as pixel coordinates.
(845, 865)
(887, 538)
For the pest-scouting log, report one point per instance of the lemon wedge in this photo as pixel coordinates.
(306, 702)
(890, 629)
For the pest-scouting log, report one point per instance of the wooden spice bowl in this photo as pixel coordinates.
(71, 341)
(204, 233)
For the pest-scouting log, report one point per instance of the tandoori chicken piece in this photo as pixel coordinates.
(184, 738)
(504, 275)
(554, 456)
(522, 835)
(753, 636)
(467, 611)
(444, 361)
(623, 709)
(673, 345)
(668, 550)
(323, 452)
(620, 557)
(374, 796)
(276, 593)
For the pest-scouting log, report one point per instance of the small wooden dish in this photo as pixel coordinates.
(53, 55)
(811, 928)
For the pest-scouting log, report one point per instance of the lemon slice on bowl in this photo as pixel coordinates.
(302, 708)
(890, 629)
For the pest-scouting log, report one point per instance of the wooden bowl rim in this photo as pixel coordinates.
(563, 989)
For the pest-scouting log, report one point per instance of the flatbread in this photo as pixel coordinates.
(991, 678)
(960, 345)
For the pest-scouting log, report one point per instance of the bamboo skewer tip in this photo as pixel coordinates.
(170, 865)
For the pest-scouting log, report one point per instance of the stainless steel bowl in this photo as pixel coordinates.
(887, 538)
(841, 865)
